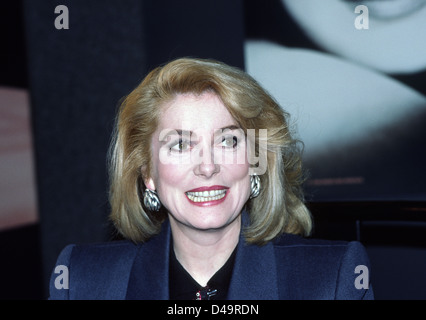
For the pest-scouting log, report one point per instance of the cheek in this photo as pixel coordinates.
(238, 174)
(235, 165)
(232, 158)
(169, 175)
(166, 170)
(239, 179)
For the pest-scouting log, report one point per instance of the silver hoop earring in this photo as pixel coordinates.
(151, 200)
(254, 186)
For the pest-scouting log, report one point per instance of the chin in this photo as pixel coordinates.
(210, 225)
(212, 222)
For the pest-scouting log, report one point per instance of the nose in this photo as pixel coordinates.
(206, 166)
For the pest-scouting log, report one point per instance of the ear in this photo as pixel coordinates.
(149, 183)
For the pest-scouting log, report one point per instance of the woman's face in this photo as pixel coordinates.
(200, 168)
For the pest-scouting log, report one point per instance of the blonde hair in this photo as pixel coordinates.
(280, 205)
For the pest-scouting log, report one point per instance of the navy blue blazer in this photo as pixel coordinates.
(291, 267)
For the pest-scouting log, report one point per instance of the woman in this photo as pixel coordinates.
(206, 188)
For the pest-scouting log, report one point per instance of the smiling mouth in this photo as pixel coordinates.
(206, 196)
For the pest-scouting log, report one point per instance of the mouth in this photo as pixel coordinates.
(206, 196)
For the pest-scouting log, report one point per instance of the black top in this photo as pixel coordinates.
(183, 287)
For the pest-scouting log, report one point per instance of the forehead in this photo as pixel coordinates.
(195, 113)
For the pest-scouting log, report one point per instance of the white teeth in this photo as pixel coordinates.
(204, 196)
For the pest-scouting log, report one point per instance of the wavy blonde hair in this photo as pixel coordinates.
(280, 205)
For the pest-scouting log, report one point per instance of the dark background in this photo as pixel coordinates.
(76, 78)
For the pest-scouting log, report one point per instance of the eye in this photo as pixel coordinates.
(230, 142)
(180, 146)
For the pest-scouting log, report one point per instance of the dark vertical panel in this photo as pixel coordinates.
(204, 29)
(77, 76)
(13, 63)
(20, 269)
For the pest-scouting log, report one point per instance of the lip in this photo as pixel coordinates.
(211, 202)
(200, 189)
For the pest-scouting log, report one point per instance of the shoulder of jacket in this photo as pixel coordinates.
(312, 252)
(287, 240)
(113, 252)
(323, 269)
(119, 246)
(95, 271)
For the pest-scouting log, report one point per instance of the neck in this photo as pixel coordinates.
(203, 252)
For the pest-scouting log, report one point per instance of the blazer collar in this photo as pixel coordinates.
(254, 276)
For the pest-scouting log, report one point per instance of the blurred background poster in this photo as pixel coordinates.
(18, 200)
(17, 183)
(352, 75)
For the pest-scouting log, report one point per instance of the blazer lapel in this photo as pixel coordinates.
(254, 275)
(149, 277)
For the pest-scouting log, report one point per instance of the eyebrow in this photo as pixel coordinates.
(231, 127)
(178, 132)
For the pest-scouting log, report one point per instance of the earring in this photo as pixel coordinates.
(151, 200)
(254, 186)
